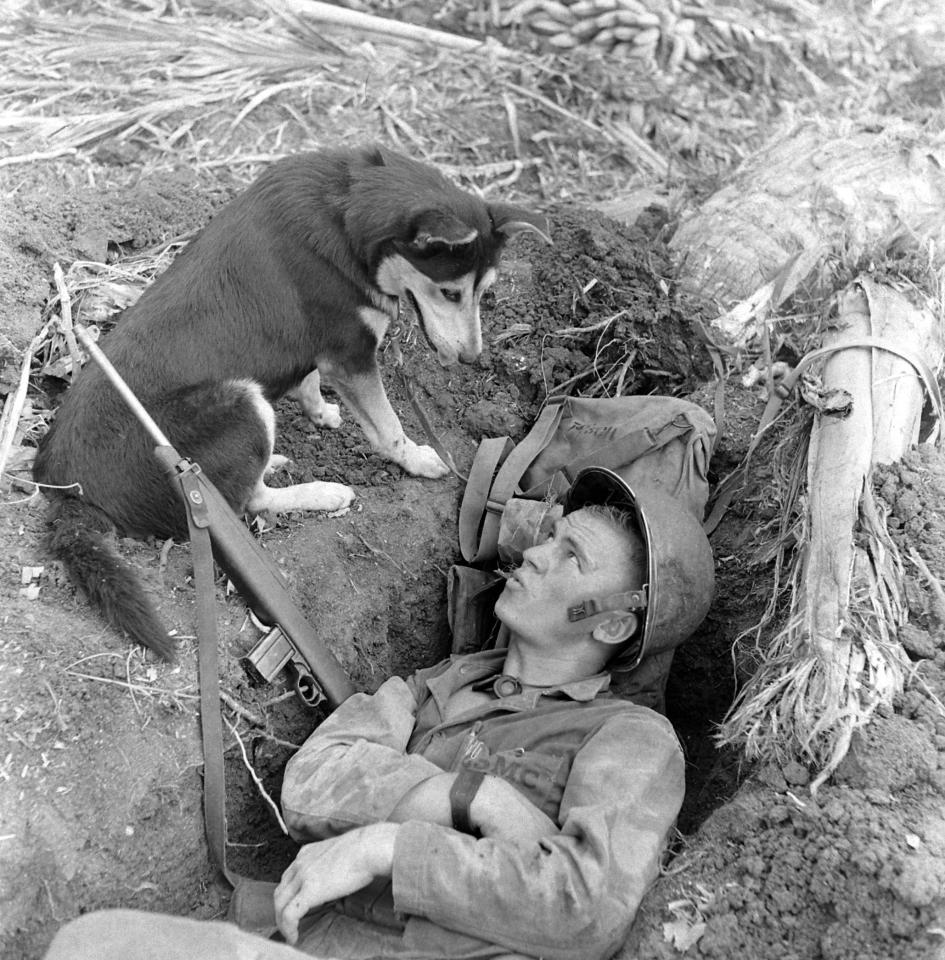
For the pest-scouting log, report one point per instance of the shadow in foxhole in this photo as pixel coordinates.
(699, 692)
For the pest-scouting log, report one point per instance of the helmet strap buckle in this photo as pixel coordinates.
(629, 600)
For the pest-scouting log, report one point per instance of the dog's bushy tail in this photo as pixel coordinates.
(78, 537)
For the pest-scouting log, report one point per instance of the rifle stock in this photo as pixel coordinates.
(291, 643)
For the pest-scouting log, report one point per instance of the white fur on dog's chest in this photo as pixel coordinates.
(377, 321)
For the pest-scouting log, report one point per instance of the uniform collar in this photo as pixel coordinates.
(467, 669)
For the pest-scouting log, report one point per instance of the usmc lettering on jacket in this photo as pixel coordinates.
(540, 776)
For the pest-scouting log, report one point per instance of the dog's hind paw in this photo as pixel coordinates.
(317, 495)
(423, 462)
(328, 415)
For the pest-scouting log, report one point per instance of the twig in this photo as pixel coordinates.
(33, 157)
(255, 776)
(14, 403)
(272, 701)
(395, 29)
(238, 708)
(647, 156)
(377, 552)
(131, 692)
(65, 318)
(933, 581)
(278, 741)
(140, 687)
(57, 706)
(593, 328)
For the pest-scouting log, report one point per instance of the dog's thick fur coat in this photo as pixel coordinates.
(291, 284)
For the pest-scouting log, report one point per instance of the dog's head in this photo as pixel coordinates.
(441, 252)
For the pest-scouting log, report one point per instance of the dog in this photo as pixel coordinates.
(289, 287)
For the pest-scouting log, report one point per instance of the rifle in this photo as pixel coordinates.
(290, 643)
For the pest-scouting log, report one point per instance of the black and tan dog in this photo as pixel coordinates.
(292, 284)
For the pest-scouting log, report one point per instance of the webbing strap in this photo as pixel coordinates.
(484, 503)
(491, 453)
(208, 675)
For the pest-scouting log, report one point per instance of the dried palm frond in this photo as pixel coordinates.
(806, 703)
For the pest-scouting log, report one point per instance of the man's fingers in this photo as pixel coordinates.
(289, 903)
(287, 919)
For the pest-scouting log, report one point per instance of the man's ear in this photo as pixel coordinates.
(619, 626)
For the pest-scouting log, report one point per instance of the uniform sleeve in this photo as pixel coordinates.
(572, 895)
(354, 768)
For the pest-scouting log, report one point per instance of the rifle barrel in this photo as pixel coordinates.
(95, 351)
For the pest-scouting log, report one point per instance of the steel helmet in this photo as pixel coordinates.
(680, 578)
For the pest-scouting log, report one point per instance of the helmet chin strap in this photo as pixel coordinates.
(630, 601)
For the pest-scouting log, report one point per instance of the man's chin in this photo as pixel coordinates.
(504, 602)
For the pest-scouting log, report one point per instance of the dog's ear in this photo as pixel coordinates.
(509, 220)
(440, 227)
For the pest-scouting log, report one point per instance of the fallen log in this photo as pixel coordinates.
(838, 658)
(812, 191)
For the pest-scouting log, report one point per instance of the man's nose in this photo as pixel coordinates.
(536, 555)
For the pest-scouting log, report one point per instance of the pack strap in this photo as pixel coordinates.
(491, 453)
(481, 510)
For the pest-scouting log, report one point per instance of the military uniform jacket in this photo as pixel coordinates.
(608, 772)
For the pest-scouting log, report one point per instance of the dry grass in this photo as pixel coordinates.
(235, 87)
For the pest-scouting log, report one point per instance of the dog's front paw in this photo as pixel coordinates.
(423, 461)
(335, 496)
(327, 415)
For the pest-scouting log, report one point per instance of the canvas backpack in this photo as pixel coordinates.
(510, 498)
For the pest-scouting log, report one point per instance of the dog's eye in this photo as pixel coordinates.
(453, 296)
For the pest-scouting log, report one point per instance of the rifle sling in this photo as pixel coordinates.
(208, 676)
(251, 905)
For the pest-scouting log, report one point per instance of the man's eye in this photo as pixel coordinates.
(453, 296)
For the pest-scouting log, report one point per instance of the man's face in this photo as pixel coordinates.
(586, 556)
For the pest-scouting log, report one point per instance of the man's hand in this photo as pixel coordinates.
(330, 869)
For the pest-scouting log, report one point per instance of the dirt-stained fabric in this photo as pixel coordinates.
(610, 774)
